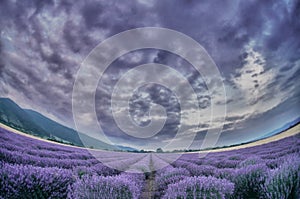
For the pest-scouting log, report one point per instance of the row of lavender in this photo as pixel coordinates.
(30, 168)
(267, 171)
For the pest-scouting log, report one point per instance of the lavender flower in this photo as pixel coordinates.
(17, 181)
(200, 187)
(284, 182)
(122, 186)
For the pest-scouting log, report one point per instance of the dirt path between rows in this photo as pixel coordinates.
(149, 188)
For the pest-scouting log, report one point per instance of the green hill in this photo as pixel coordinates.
(34, 123)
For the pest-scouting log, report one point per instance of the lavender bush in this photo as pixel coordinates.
(200, 187)
(249, 180)
(169, 175)
(122, 186)
(284, 182)
(252, 160)
(17, 181)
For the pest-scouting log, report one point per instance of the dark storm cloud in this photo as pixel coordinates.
(228, 126)
(228, 101)
(56, 47)
(286, 27)
(139, 108)
(286, 68)
(236, 25)
(26, 69)
(192, 76)
(91, 14)
(156, 95)
(71, 34)
(291, 81)
(226, 38)
(235, 118)
(255, 44)
(219, 35)
(2, 65)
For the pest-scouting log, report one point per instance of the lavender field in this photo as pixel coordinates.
(35, 169)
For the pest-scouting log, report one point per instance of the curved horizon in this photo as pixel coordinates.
(291, 131)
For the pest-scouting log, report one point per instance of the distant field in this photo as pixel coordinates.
(289, 132)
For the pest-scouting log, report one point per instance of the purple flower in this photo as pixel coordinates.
(200, 187)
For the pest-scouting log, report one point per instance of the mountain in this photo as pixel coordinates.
(34, 123)
(62, 132)
(13, 115)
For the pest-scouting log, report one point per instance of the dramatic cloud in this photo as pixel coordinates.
(255, 45)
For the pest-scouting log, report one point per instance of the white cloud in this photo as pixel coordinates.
(253, 95)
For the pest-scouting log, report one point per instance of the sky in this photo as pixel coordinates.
(254, 44)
